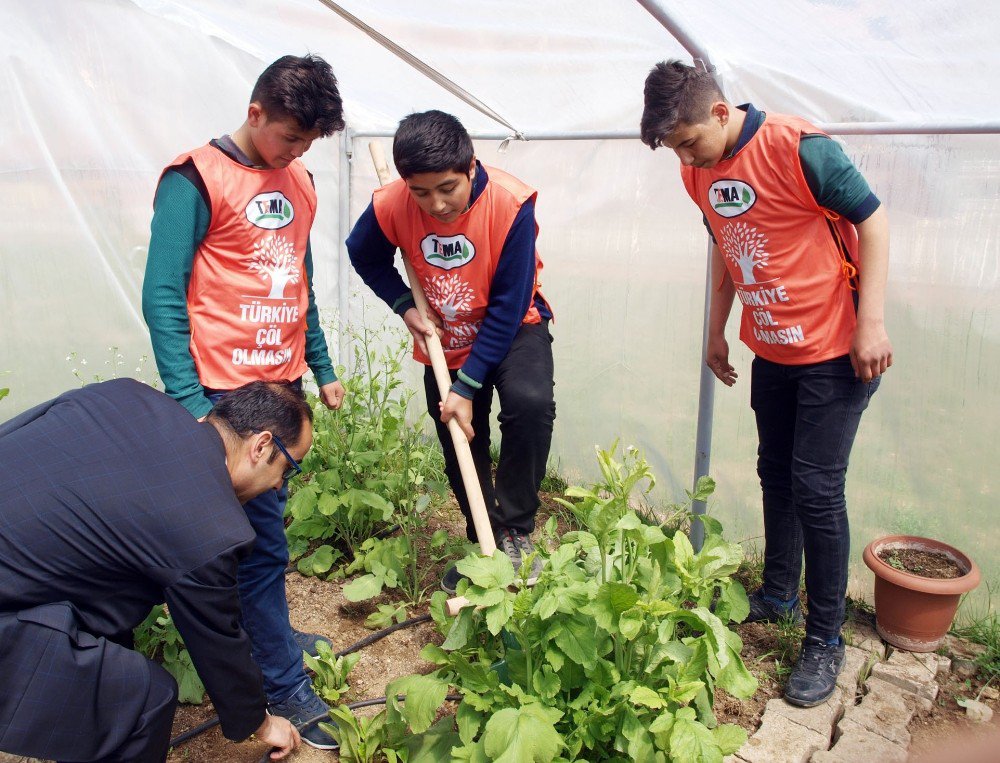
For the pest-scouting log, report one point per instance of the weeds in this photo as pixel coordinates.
(157, 637)
(984, 629)
(331, 671)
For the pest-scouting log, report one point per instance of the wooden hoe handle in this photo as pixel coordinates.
(477, 505)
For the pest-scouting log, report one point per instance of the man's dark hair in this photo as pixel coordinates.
(431, 141)
(274, 407)
(675, 94)
(302, 88)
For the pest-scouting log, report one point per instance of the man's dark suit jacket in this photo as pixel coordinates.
(114, 499)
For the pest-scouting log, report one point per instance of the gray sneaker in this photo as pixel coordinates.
(303, 709)
(517, 546)
(307, 642)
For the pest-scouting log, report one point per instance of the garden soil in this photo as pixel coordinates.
(318, 606)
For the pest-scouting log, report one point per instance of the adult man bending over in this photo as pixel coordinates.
(113, 498)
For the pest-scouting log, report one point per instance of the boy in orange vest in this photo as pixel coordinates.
(228, 299)
(799, 237)
(469, 231)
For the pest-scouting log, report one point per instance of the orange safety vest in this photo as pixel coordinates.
(248, 294)
(455, 262)
(790, 259)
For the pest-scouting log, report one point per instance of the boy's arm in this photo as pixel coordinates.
(331, 391)
(871, 350)
(180, 222)
(721, 304)
(837, 185)
(372, 257)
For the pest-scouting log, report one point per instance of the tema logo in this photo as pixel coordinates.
(270, 210)
(731, 198)
(447, 252)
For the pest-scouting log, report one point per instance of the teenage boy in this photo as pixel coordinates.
(799, 237)
(469, 232)
(228, 299)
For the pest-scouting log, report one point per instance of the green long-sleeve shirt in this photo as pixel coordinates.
(181, 219)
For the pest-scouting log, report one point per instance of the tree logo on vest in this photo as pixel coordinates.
(731, 198)
(270, 211)
(447, 252)
(746, 246)
(274, 259)
(451, 297)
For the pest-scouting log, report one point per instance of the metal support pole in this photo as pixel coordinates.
(706, 407)
(343, 262)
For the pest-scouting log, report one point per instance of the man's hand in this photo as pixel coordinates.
(332, 395)
(871, 351)
(458, 408)
(420, 328)
(717, 358)
(278, 732)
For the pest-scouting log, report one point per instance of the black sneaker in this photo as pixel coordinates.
(307, 642)
(450, 580)
(302, 709)
(765, 611)
(814, 677)
(517, 546)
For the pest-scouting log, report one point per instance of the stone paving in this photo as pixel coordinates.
(853, 725)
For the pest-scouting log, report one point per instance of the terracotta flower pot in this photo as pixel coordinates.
(914, 612)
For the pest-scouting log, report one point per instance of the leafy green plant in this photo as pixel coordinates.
(613, 655)
(983, 627)
(330, 681)
(157, 638)
(368, 465)
(361, 740)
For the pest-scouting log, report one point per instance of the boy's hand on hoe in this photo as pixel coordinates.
(717, 358)
(458, 408)
(871, 350)
(278, 732)
(332, 395)
(419, 327)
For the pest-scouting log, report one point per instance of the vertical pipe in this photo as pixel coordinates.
(706, 386)
(343, 263)
(706, 407)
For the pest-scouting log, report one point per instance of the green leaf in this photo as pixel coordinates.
(469, 722)
(546, 683)
(611, 601)
(432, 746)
(488, 571)
(499, 615)
(631, 622)
(578, 641)
(690, 742)
(729, 738)
(363, 588)
(190, 689)
(522, 735)
(424, 695)
(703, 489)
(643, 695)
(460, 630)
(318, 562)
(328, 504)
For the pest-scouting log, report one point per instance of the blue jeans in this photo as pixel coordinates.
(807, 418)
(261, 583)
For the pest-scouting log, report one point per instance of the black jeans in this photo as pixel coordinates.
(807, 418)
(524, 383)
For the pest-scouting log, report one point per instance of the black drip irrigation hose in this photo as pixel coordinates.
(353, 706)
(357, 646)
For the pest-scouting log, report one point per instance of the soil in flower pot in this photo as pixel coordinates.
(926, 564)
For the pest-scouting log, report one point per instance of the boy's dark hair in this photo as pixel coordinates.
(431, 141)
(302, 88)
(274, 407)
(675, 94)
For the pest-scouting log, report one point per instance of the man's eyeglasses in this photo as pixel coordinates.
(294, 467)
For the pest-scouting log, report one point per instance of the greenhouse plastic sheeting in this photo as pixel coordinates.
(101, 94)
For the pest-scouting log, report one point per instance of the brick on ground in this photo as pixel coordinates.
(858, 744)
(780, 740)
(883, 711)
